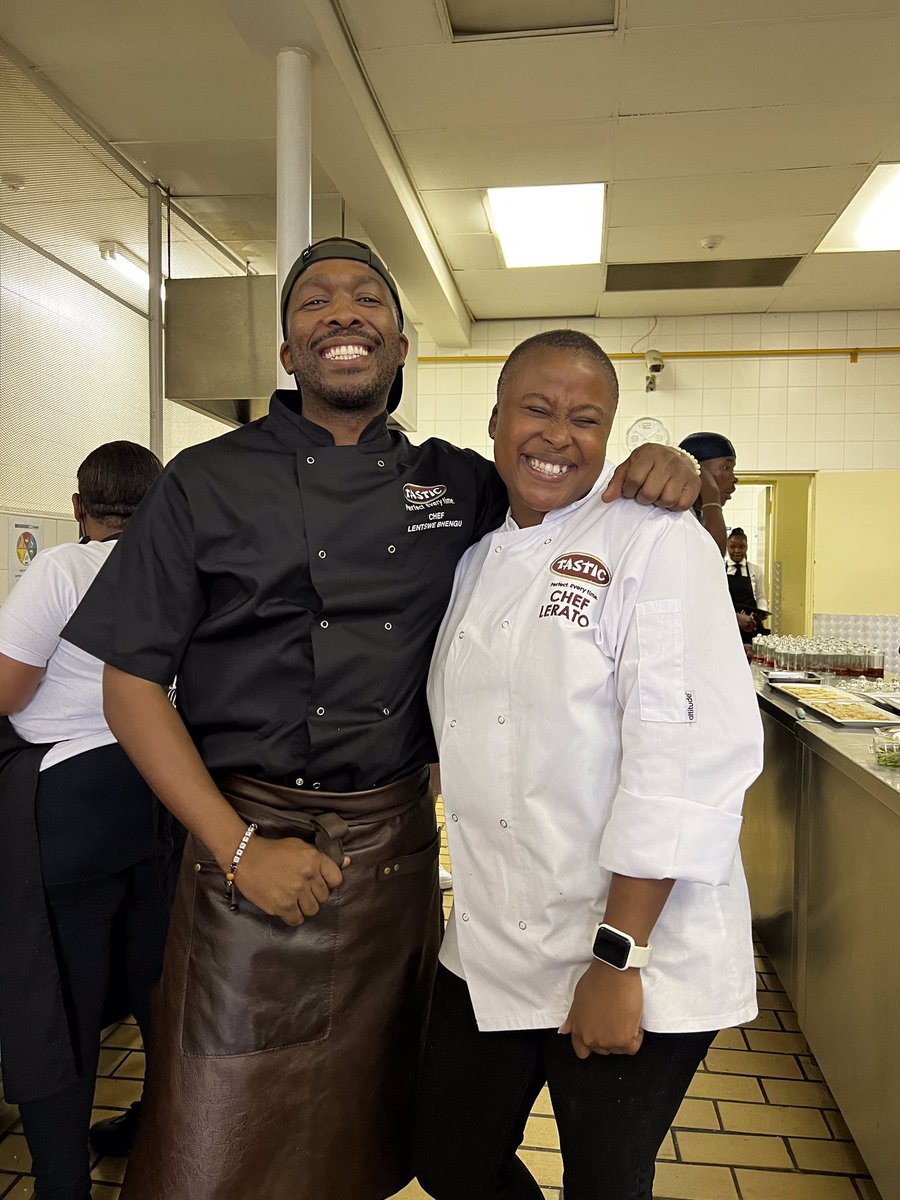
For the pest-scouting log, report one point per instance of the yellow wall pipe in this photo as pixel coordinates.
(853, 353)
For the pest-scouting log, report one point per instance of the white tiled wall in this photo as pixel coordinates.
(820, 412)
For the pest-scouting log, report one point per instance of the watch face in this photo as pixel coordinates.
(612, 948)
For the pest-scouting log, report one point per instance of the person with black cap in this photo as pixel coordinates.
(293, 573)
(717, 458)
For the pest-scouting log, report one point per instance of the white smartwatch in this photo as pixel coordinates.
(618, 949)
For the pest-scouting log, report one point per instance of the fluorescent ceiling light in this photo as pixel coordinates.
(126, 263)
(871, 221)
(548, 226)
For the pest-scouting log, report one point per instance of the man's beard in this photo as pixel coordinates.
(349, 395)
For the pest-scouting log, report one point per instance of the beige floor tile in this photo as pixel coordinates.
(545, 1166)
(685, 1181)
(666, 1152)
(14, 1156)
(737, 1062)
(838, 1126)
(810, 1068)
(132, 1066)
(117, 1093)
(127, 1037)
(110, 1058)
(109, 1170)
(773, 1118)
(817, 1155)
(732, 1149)
(412, 1191)
(778, 1185)
(771, 981)
(776, 1000)
(9, 1115)
(6, 1182)
(696, 1114)
(23, 1190)
(788, 1020)
(541, 1132)
(712, 1086)
(730, 1039)
(776, 1043)
(803, 1094)
(766, 1019)
(542, 1103)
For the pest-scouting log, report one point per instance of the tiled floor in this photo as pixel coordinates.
(757, 1123)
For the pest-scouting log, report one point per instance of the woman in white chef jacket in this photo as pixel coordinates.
(597, 728)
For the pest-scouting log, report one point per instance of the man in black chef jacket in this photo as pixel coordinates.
(293, 574)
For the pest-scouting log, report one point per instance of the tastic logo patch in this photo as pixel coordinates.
(576, 565)
(419, 495)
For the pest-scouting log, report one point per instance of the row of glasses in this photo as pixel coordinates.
(828, 656)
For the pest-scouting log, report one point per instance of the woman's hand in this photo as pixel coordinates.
(605, 1017)
(286, 877)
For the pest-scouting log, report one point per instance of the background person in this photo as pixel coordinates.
(718, 459)
(597, 727)
(82, 844)
(293, 573)
(745, 583)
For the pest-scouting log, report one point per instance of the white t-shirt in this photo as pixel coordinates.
(67, 707)
(595, 714)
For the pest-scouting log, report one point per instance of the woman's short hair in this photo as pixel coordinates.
(114, 478)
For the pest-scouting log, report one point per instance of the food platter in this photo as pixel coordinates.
(841, 707)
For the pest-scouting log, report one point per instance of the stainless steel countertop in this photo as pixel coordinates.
(849, 750)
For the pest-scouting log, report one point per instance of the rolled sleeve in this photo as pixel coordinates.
(689, 840)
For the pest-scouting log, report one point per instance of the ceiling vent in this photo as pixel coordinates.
(479, 19)
(724, 273)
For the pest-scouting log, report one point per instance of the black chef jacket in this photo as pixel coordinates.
(295, 587)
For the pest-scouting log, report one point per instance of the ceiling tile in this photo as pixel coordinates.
(472, 252)
(738, 197)
(687, 303)
(532, 292)
(458, 212)
(648, 14)
(740, 239)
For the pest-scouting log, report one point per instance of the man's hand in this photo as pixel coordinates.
(605, 1017)
(286, 878)
(656, 475)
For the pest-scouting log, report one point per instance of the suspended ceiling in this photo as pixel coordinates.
(754, 124)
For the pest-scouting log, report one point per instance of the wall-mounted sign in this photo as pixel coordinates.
(25, 536)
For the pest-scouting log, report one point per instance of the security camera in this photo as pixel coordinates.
(654, 361)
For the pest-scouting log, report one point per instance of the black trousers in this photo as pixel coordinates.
(102, 922)
(612, 1111)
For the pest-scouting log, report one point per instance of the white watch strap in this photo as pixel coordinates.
(638, 956)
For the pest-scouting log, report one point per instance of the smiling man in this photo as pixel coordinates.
(293, 574)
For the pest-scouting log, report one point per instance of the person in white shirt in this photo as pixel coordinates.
(745, 583)
(95, 895)
(597, 728)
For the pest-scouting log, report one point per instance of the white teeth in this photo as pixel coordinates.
(546, 468)
(345, 352)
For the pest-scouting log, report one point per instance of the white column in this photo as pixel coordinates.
(154, 312)
(293, 140)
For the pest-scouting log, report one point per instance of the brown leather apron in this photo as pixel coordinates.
(284, 1059)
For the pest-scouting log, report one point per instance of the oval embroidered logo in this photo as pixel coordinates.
(581, 566)
(418, 493)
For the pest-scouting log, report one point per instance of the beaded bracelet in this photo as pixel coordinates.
(687, 454)
(230, 873)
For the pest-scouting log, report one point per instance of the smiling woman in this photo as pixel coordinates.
(556, 399)
(584, 683)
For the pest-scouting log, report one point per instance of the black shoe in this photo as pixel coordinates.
(115, 1136)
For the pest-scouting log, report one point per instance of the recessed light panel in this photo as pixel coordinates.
(556, 226)
(871, 221)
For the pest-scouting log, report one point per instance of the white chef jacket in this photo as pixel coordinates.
(756, 580)
(594, 713)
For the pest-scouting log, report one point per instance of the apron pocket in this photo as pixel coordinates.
(408, 864)
(253, 982)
